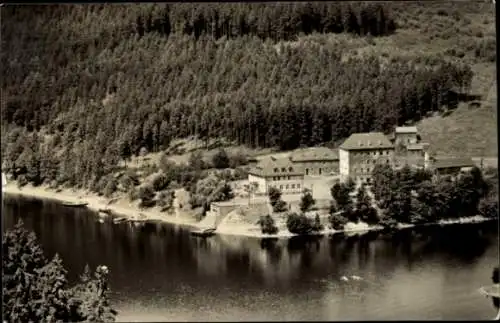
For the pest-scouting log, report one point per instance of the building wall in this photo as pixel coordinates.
(406, 138)
(410, 157)
(288, 186)
(362, 162)
(261, 181)
(319, 168)
(344, 163)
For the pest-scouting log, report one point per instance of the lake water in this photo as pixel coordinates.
(159, 272)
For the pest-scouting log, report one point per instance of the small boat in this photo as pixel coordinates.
(344, 278)
(75, 204)
(105, 211)
(119, 220)
(101, 221)
(203, 233)
(354, 277)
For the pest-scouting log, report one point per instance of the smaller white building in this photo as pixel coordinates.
(281, 173)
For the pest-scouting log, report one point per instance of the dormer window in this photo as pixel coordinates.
(360, 144)
(283, 169)
(380, 142)
(276, 170)
(290, 169)
(369, 143)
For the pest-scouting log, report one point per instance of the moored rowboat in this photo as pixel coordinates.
(75, 204)
(203, 233)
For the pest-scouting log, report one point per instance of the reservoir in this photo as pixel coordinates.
(159, 272)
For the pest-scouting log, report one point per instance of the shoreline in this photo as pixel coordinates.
(123, 208)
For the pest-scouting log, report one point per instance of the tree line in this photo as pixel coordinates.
(402, 196)
(280, 21)
(93, 102)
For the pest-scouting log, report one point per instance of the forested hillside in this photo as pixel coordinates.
(84, 86)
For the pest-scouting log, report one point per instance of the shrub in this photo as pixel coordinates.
(239, 174)
(160, 182)
(110, 187)
(166, 199)
(488, 207)
(22, 181)
(299, 224)
(337, 221)
(280, 206)
(147, 195)
(275, 200)
(388, 223)
(220, 160)
(237, 159)
(317, 226)
(133, 194)
(267, 225)
(369, 215)
(307, 201)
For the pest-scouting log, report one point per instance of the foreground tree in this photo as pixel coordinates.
(35, 290)
(267, 225)
(340, 193)
(307, 201)
(275, 199)
(299, 224)
(364, 208)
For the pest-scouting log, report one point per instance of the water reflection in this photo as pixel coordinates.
(235, 278)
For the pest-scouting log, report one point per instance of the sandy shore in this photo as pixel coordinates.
(130, 211)
(121, 207)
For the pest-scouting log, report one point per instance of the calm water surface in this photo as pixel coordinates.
(159, 272)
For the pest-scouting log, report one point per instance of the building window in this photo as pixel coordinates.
(287, 186)
(290, 169)
(281, 187)
(320, 171)
(293, 185)
(307, 171)
(283, 169)
(275, 170)
(298, 185)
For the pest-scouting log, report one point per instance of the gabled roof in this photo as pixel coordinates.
(365, 141)
(406, 130)
(452, 162)
(276, 167)
(315, 154)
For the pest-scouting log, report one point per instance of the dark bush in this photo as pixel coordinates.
(160, 182)
(299, 224)
(220, 160)
(337, 221)
(22, 181)
(317, 226)
(147, 195)
(110, 187)
(166, 199)
(267, 225)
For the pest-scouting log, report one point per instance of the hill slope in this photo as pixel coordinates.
(86, 86)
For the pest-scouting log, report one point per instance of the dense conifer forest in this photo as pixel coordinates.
(85, 86)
